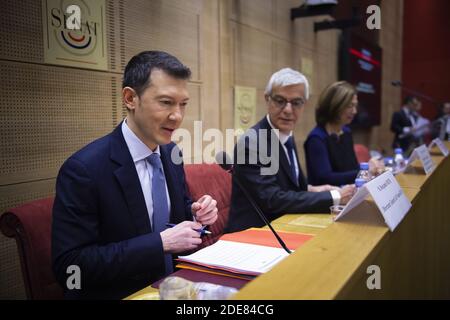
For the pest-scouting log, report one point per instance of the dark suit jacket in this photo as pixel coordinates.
(399, 121)
(276, 194)
(101, 223)
(330, 159)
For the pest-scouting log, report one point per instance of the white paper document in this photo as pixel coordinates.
(237, 257)
(388, 196)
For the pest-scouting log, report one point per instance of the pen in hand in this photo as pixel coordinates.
(202, 231)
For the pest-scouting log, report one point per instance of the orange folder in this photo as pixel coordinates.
(263, 237)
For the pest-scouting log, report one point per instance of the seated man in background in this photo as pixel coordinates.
(441, 124)
(115, 197)
(421, 126)
(329, 149)
(285, 190)
(402, 124)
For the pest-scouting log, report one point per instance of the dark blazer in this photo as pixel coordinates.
(330, 159)
(101, 223)
(399, 121)
(276, 194)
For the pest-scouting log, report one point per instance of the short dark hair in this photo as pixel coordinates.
(333, 99)
(138, 70)
(409, 99)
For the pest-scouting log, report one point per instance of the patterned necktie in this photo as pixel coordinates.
(160, 206)
(289, 144)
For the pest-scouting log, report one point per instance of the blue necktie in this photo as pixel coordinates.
(160, 206)
(289, 144)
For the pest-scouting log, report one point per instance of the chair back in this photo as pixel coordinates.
(30, 225)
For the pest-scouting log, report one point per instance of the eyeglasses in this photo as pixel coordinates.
(281, 102)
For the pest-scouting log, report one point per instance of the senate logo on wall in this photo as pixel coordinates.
(74, 33)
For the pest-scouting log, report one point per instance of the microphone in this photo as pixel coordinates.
(225, 162)
(398, 83)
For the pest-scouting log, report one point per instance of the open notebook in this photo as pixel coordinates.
(246, 253)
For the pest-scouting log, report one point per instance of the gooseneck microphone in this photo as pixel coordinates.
(398, 83)
(225, 162)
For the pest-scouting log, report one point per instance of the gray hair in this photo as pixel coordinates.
(286, 77)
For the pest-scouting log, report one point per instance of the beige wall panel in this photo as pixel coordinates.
(210, 64)
(283, 23)
(252, 56)
(390, 40)
(115, 34)
(48, 113)
(254, 14)
(21, 31)
(261, 106)
(226, 64)
(172, 26)
(283, 55)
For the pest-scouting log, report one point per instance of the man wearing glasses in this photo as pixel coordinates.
(286, 190)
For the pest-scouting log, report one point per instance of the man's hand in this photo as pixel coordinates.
(181, 237)
(205, 210)
(346, 193)
(325, 187)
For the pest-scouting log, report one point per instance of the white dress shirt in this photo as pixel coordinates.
(283, 138)
(139, 152)
(411, 118)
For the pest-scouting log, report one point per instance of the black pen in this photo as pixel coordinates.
(202, 231)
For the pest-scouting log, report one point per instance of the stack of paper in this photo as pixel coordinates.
(243, 254)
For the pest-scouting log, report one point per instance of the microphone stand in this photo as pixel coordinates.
(411, 91)
(225, 162)
(261, 215)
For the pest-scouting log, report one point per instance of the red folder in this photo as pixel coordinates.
(264, 237)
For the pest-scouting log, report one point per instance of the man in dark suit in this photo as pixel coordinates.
(403, 122)
(115, 197)
(278, 186)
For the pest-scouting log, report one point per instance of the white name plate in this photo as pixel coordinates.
(442, 147)
(423, 154)
(388, 196)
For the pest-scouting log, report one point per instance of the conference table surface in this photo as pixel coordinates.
(413, 260)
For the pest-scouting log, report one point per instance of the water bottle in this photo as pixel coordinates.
(389, 164)
(399, 161)
(359, 183)
(364, 172)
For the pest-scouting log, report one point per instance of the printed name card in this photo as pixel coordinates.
(388, 196)
(423, 154)
(442, 147)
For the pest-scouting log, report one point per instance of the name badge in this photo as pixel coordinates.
(423, 154)
(388, 196)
